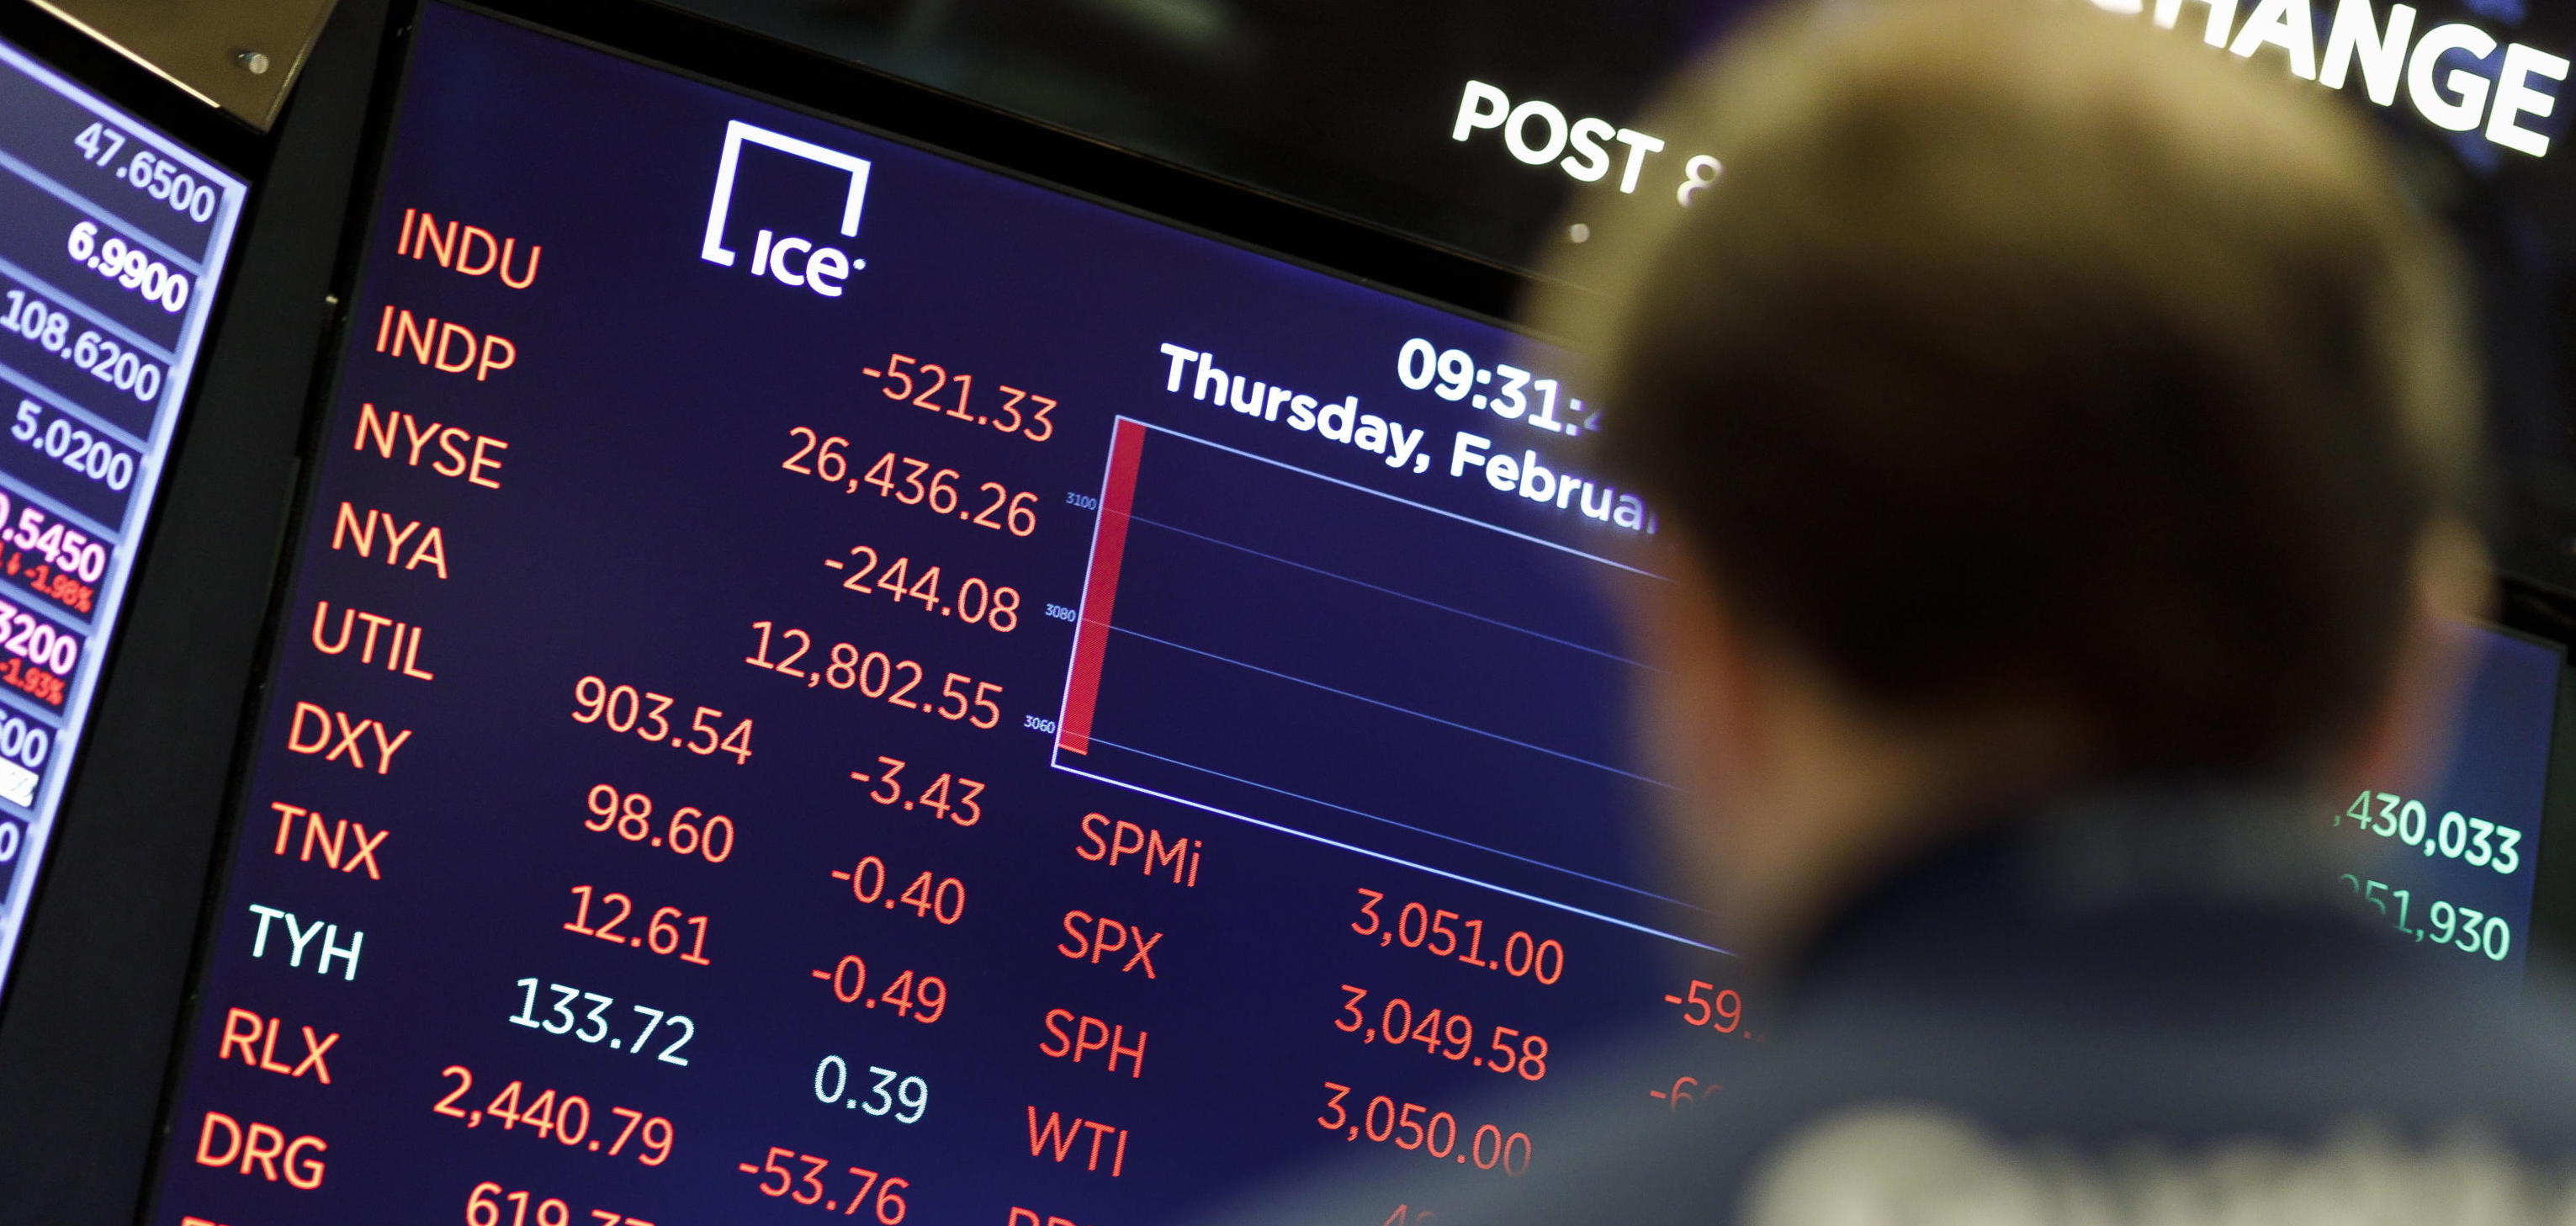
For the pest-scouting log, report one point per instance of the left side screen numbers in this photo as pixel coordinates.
(112, 239)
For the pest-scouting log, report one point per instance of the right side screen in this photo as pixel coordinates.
(2453, 869)
(824, 681)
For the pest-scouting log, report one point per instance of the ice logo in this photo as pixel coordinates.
(790, 260)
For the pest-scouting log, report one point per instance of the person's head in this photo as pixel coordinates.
(2039, 400)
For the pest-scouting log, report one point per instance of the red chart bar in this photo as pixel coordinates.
(1100, 588)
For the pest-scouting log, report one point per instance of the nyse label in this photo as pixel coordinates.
(458, 452)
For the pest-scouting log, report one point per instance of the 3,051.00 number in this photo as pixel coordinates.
(1438, 933)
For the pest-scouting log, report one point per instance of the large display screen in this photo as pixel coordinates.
(1478, 124)
(823, 681)
(112, 239)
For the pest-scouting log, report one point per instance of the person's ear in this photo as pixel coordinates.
(1704, 711)
(2403, 739)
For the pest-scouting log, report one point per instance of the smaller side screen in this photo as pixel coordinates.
(2452, 867)
(112, 237)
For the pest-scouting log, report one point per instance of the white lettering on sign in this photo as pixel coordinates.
(2455, 76)
(799, 263)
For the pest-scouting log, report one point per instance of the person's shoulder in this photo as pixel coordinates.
(2013, 1122)
(1890, 1163)
(2173, 1060)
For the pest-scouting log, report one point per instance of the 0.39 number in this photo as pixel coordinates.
(1444, 933)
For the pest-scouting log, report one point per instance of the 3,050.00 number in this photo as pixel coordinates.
(1412, 1126)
